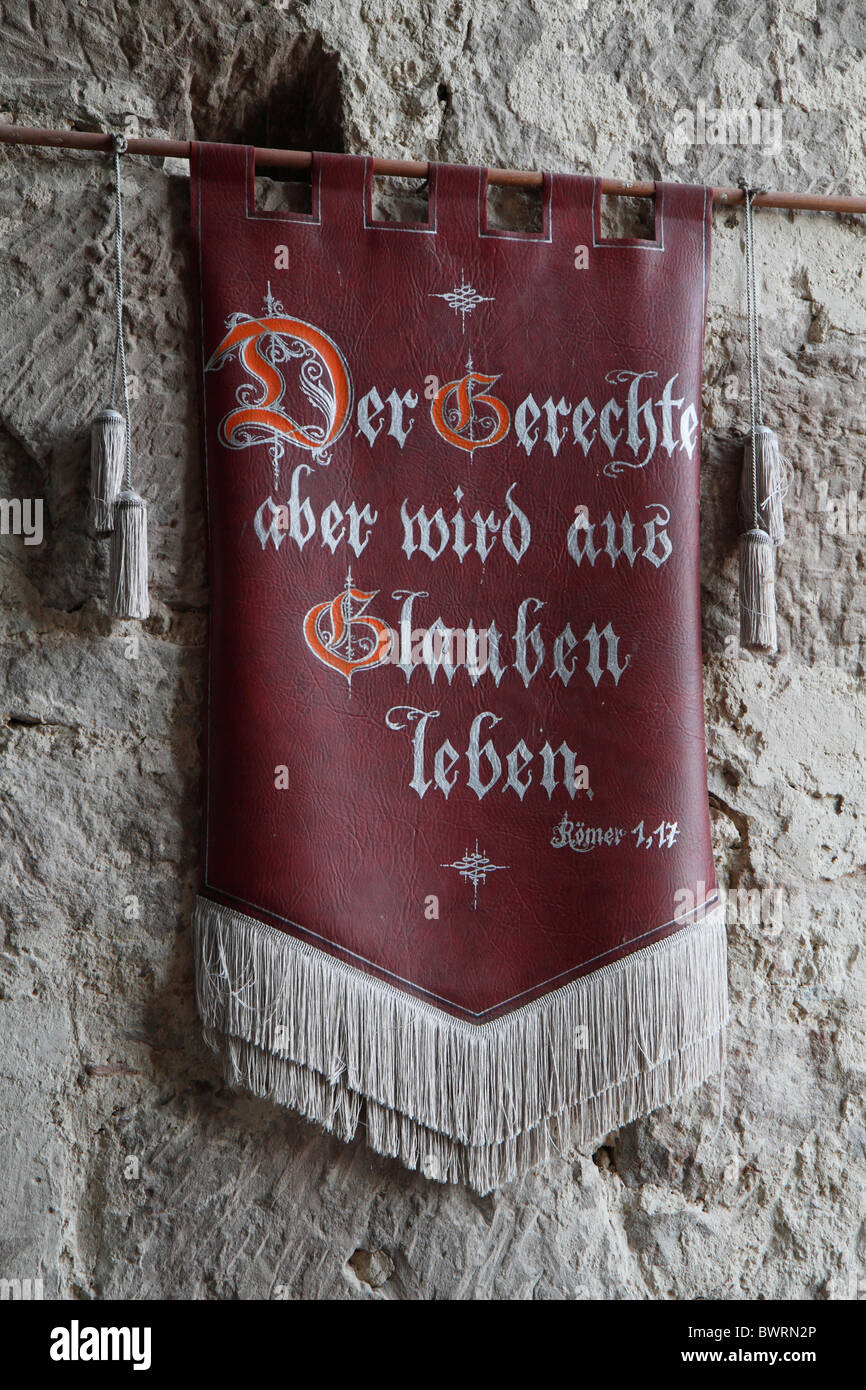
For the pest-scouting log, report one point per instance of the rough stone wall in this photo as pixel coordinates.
(127, 1169)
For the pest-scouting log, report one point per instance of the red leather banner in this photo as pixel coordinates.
(454, 729)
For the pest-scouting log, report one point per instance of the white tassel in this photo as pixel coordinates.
(115, 507)
(757, 592)
(127, 581)
(107, 456)
(771, 483)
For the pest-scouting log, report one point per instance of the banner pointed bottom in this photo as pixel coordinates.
(460, 1102)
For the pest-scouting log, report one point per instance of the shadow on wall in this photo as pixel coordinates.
(283, 92)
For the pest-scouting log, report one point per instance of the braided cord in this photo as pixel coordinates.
(119, 146)
(756, 408)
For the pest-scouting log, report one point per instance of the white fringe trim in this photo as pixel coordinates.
(479, 1103)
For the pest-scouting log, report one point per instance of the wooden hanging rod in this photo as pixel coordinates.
(413, 168)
